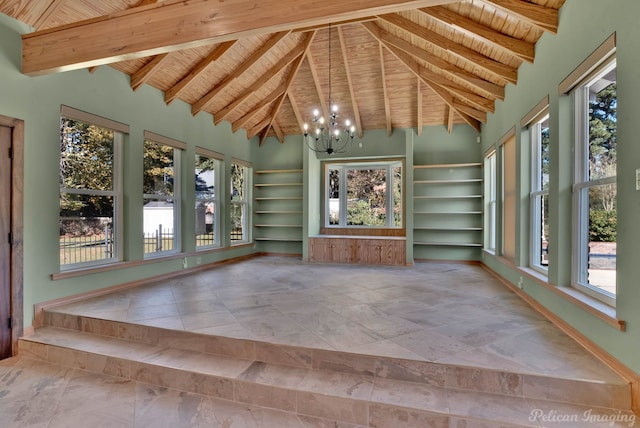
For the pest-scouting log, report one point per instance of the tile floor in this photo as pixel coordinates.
(444, 312)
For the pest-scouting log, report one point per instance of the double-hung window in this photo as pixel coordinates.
(364, 194)
(239, 208)
(490, 201)
(594, 189)
(90, 189)
(207, 173)
(539, 195)
(161, 195)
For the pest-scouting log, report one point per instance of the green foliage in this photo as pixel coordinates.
(602, 225)
(360, 213)
(158, 169)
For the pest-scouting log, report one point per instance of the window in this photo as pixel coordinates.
(239, 232)
(161, 194)
(90, 191)
(595, 214)
(539, 195)
(490, 191)
(364, 194)
(207, 168)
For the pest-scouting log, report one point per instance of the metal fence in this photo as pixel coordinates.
(86, 248)
(159, 240)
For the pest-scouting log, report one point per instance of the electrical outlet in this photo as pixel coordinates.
(184, 263)
(198, 260)
(521, 284)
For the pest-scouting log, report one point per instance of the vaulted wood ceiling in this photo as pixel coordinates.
(264, 65)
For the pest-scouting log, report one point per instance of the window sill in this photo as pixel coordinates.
(129, 264)
(589, 304)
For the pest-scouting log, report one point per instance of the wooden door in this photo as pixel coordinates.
(5, 246)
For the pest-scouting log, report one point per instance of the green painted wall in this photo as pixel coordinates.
(584, 25)
(106, 93)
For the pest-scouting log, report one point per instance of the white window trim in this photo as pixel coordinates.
(342, 194)
(217, 157)
(537, 191)
(491, 200)
(247, 185)
(178, 148)
(119, 130)
(582, 184)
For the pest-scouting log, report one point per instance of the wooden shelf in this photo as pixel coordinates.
(278, 171)
(448, 165)
(449, 244)
(449, 197)
(462, 180)
(280, 198)
(448, 228)
(278, 225)
(278, 212)
(278, 239)
(276, 184)
(447, 212)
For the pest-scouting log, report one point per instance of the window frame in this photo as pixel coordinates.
(217, 158)
(490, 200)
(343, 167)
(582, 182)
(537, 193)
(178, 149)
(119, 131)
(243, 203)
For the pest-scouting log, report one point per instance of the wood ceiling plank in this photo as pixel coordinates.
(168, 26)
(240, 123)
(296, 110)
(300, 50)
(385, 94)
(316, 83)
(48, 13)
(354, 101)
(204, 101)
(175, 91)
(511, 45)
(489, 65)
(545, 18)
(413, 65)
(491, 89)
(143, 75)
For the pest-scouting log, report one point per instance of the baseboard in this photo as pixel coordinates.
(612, 362)
(39, 308)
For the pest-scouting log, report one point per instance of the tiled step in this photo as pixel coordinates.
(336, 386)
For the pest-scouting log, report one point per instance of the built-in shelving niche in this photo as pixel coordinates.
(447, 211)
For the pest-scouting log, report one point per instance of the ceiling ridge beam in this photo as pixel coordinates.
(543, 17)
(147, 71)
(352, 93)
(287, 86)
(208, 98)
(176, 25)
(335, 24)
(492, 90)
(519, 48)
(296, 52)
(176, 90)
(415, 68)
(489, 65)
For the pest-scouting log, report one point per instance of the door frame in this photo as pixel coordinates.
(17, 227)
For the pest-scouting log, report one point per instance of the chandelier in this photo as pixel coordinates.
(327, 136)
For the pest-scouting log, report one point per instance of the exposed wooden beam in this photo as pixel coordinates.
(419, 98)
(296, 110)
(267, 75)
(176, 25)
(48, 13)
(145, 73)
(477, 114)
(431, 78)
(92, 69)
(490, 89)
(450, 115)
(543, 17)
(203, 102)
(336, 24)
(498, 69)
(510, 45)
(416, 69)
(287, 87)
(174, 92)
(278, 131)
(257, 128)
(385, 93)
(352, 92)
(316, 83)
(240, 123)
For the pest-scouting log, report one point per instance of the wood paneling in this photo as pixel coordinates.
(362, 250)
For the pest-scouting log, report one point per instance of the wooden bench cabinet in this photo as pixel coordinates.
(358, 249)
